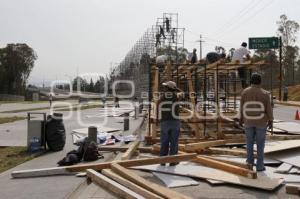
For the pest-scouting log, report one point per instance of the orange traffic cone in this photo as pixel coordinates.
(297, 117)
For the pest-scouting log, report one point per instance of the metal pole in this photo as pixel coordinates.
(280, 69)
(200, 50)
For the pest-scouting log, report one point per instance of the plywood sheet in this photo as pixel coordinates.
(287, 178)
(289, 156)
(284, 168)
(198, 171)
(274, 146)
(173, 181)
(290, 127)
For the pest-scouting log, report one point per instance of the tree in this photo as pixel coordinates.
(79, 84)
(91, 86)
(16, 64)
(288, 30)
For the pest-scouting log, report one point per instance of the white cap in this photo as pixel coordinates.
(170, 84)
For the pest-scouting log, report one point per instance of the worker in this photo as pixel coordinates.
(162, 32)
(256, 114)
(173, 32)
(157, 36)
(194, 56)
(238, 55)
(167, 21)
(212, 57)
(117, 105)
(285, 93)
(50, 99)
(169, 119)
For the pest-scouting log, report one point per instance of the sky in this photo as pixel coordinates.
(87, 36)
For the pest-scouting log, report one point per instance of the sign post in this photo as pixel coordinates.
(263, 42)
(269, 43)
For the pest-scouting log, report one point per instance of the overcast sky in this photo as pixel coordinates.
(90, 34)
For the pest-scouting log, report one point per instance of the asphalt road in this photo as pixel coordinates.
(56, 186)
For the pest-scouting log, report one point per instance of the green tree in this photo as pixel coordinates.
(91, 86)
(79, 84)
(288, 30)
(16, 64)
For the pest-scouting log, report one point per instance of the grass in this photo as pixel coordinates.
(13, 156)
(4, 120)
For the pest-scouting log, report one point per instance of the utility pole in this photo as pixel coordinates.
(280, 69)
(200, 49)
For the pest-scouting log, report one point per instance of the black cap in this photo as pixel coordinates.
(255, 79)
(244, 44)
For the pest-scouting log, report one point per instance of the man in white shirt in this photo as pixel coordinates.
(239, 55)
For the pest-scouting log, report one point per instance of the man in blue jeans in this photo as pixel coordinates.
(256, 114)
(169, 119)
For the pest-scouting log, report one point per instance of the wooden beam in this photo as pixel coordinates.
(130, 185)
(154, 188)
(238, 164)
(292, 189)
(203, 145)
(130, 151)
(227, 151)
(111, 185)
(123, 149)
(225, 167)
(99, 166)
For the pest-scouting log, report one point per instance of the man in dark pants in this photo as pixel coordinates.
(238, 55)
(169, 119)
(256, 114)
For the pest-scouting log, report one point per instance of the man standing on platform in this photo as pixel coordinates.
(256, 114)
(238, 55)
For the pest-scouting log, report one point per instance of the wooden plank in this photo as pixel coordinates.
(292, 189)
(130, 185)
(155, 188)
(99, 166)
(225, 167)
(238, 164)
(130, 151)
(202, 172)
(111, 185)
(226, 151)
(123, 149)
(203, 145)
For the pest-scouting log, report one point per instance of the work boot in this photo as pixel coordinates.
(250, 166)
(174, 163)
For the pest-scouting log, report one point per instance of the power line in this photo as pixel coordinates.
(239, 18)
(240, 13)
(236, 26)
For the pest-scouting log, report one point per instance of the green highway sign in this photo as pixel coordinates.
(263, 42)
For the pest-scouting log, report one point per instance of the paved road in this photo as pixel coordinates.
(51, 187)
(285, 113)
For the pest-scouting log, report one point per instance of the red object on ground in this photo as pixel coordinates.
(297, 117)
